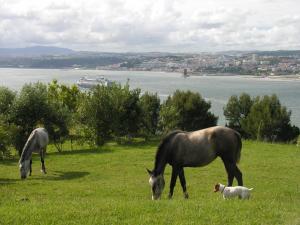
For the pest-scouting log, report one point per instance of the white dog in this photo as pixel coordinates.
(231, 192)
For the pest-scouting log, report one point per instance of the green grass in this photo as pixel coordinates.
(109, 185)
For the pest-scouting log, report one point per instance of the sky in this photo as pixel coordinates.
(151, 25)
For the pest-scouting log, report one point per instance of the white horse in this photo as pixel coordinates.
(37, 142)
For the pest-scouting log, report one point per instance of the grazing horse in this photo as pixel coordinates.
(194, 149)
(37, 142)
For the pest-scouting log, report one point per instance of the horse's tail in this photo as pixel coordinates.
(239, 147)
(27, 145)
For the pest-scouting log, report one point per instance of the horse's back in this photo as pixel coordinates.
(42, 138)
(199, 148)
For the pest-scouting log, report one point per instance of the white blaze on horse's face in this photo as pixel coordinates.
(157, 184)
(24, 168)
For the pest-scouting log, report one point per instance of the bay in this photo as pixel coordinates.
(216, 89)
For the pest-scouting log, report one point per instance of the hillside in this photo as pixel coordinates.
(34, 51)
(109, 185)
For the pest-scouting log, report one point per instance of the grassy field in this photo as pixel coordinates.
(109, 185)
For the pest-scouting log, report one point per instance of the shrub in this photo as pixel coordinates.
(186, 110)
(110, 112)
(261, 118)
(150, 106)
(32, 108)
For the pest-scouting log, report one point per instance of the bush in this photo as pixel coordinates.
(261, 118)
(186, 110)
(110, 112)
(6, 99)
(32, 108)
(7, 133)
(236, 110)
(150, 106)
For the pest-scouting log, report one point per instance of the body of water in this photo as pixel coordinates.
(216, 89)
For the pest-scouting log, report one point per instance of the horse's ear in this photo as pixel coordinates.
(149, 171)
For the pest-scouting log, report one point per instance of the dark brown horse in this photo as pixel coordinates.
(194, 149)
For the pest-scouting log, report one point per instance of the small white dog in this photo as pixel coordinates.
(231, 192)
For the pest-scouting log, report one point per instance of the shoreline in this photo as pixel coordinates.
(289, 77)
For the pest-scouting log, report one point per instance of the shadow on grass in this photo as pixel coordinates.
(140, 144)
(8, 181)
(83, 151)
(59, 175)
(8, 162)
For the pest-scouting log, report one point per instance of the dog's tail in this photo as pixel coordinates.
(250, 189)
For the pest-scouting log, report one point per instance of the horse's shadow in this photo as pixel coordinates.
(60, 175)
(83, 151)
(8, 181)
(55, 176)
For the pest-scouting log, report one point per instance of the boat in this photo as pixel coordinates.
(86, 82)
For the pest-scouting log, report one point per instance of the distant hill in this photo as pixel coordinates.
(34, 51)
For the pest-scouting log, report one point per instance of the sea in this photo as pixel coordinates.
(216, 89)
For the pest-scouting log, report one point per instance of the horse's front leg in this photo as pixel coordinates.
(30, 167)
(173, 180)
(183, 183)
(42, 154)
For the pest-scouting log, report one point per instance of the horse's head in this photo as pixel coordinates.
(157, 184)
(24, 168)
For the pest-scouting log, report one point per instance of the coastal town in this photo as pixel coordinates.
(256, 63)
(260, 64)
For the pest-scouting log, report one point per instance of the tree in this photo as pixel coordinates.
(150, 106)
(108, 112)
(186, 110)
(6, 99)
(32, 108)
(7, 129)
(66, 99)
(268, 120)
(236, 110)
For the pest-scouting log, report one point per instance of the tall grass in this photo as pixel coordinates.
(109, 185)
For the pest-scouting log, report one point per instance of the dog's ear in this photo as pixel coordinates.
(149, 172)
(217, 187)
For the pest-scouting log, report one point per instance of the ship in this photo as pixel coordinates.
(86, 82)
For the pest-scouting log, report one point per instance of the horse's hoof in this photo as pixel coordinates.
(43, 171)
(186, 195)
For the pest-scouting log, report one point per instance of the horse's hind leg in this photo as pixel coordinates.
(239, 176)
(230, 169)
(42, 161)
(173, 180)
(183, 183)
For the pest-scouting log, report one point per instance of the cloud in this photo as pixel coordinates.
(145, 25)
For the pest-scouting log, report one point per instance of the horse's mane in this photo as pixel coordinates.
(27, 145)
(161, 147)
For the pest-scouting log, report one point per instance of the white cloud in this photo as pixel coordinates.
(145, 25)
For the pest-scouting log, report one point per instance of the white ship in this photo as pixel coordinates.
(86, 82)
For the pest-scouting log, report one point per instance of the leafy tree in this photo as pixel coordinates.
(186, 110)
(268, 120)
(150, 106)
(7, 132)
(32, 108)
(236, 110)
(67, 96)
(108, 112)
(6, 99)
(127, 111)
